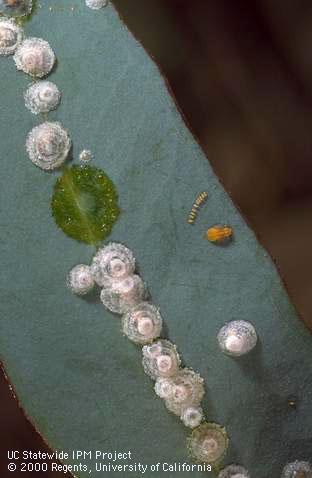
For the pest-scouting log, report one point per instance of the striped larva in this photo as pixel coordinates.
(199, 201)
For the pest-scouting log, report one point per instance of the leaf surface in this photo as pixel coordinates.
(76, 376)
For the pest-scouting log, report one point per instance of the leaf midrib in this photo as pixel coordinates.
(68, 181)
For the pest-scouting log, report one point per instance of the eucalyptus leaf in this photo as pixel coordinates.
(78, 379)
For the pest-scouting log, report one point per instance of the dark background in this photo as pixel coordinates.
(242, 75)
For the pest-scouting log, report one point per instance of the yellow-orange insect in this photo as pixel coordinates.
(199, 201)
(219, 234)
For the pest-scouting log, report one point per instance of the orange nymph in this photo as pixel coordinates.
(219, 234)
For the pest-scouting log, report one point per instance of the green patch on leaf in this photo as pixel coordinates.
(85, 204)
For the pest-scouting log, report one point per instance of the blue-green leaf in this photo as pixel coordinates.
(78, 379)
